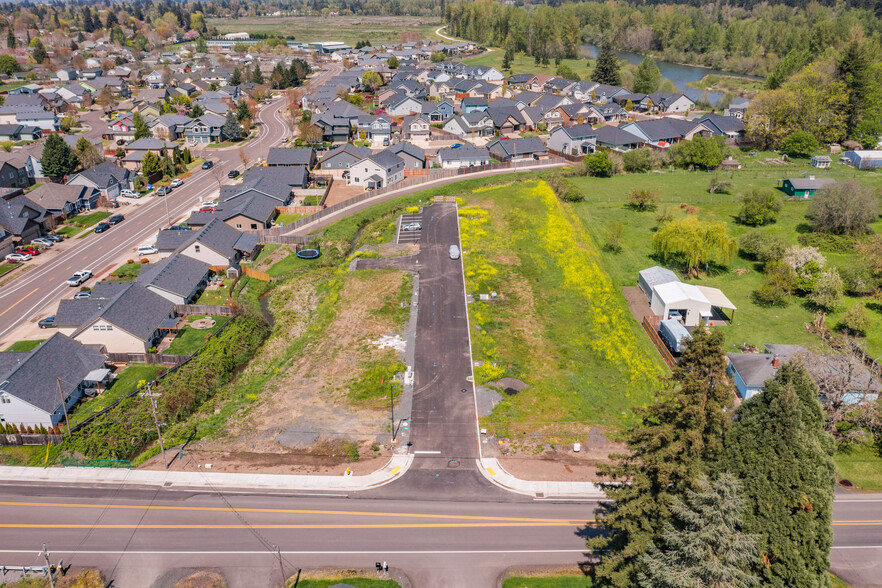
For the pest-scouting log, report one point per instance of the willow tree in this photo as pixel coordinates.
(694, 242)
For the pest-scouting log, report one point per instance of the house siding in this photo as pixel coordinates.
(115, 340)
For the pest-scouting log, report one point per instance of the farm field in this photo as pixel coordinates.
(523, 64)
(348, 29)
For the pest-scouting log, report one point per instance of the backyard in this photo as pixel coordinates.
(126, 381)
(189, 340)
(24, 346)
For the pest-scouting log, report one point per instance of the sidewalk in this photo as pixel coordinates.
(491, 469)
(396, 466)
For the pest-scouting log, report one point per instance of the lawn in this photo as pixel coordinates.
(125, 382)
(348, 29)
(289, 217)
(606, 203)
(218, 296)
(547, 582)
(24, 346)
(7, 267)
(189, 340)
(356, 582)
(523, 64)
(12, 86)
(861, 465)
(87, 220)
(127, 271)
(69, 231)
(559, 324)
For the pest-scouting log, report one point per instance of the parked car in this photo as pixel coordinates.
(456, 146)
(47, 323)
(43, 242)
(208, 164)
(209, 203)
(83, 294)
(176, 182)
(412, 227)
(28, 250)
(18, 257)
(234, 173)
(115, 219)
(210, 208)
(178, 228)
(129, 194)
(101, 227)
(454, 252)
(79, 277)
(164, 190)
(54, 238)
(147, 250)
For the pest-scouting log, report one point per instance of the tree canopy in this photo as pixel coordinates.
(59, 160)
(694, 242)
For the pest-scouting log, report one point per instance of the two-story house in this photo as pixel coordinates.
(377, 170)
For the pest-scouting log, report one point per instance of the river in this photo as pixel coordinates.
(678, 73)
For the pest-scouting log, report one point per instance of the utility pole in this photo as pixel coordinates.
(392, 408)
(63, 405)
(281, 567)
(149, 394)
(45, 554)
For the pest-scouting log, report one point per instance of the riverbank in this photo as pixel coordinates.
(724, 84)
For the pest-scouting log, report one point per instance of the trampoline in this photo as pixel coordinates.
(308, 253)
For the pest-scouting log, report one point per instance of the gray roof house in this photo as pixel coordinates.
(291, 157)
(177, 278)
(107, 177)
(574, 140)
(517, 149)
(466, 156)
(342, 158)
(218, 244)
(64, 199)
(22, 218)
(29, 381)
(205, 129)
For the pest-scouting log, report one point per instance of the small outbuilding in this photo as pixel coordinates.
(654, 276)
(821, 161)
(803, 187)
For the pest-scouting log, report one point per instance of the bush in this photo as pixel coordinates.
(352, 452)
(762, 246)
(857, 280)
(777, 285)
(637, 160)
(799, 144)
(845, 208)
(827, 291)
(665, 215)
(700, 152)
(564, 189)
(639, 199)
(613, 235)
(144, 260)
(759, 207)
(856, 320)
(599, 164)
(828, 242)
(806, 263)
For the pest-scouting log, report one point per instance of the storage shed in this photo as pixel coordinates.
(821, 161)
(862, 159)
(655, 276)
(803, 187)
(687, 303)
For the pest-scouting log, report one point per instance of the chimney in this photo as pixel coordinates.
(776, 362)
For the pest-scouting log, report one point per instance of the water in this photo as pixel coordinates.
(678, 73)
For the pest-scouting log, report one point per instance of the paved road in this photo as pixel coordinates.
(36, 292)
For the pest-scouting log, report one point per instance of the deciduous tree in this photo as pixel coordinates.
(647, 77)
(694, 242)
(759, 207)
(844, 208)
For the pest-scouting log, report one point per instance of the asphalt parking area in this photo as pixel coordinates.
(407, 228)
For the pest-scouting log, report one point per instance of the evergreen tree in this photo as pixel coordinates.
(257, 75)
(242, 111)
(141, 128)
(705, 545)
(507, 59)
(678, 437)
(196, 111)
(150, 164)
(607, 69)
(88, 23)
(201, 45)
(59, 160)
(647, 77)
(111, 20)
(235, 77)
(10, 37)
(231, 128)
(392, 62)
(39, 53)
(854, 69)
(777, 447)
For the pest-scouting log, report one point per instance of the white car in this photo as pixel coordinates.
(207, 203)
(130, 194)
(16, 257)
(147, 250)
(43, 242)
(79, 277)
(176, 182)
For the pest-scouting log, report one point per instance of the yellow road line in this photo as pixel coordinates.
(276, 526)
(19, 300)
(284, 511)
(854, 523)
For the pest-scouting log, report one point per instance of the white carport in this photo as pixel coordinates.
(718, 299)
(683, 301)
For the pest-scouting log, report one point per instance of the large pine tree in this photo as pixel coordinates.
(854, 69)
(231, 129)
(607, 70)
(58, 159)
(679, 436)
(647, 77)
(704, 546)
(777, 447)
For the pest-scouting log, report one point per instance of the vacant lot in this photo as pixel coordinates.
(348, 29)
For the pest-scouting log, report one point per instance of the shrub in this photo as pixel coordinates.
(828, 242)
(759, 207)
(856, 320)
(799, 144)
(130, 261)
(664, 215)
(637, 160)
(700, 152)
(144, 260)
(352, 451)
(806, 263)
(718, 184)
(762, 246)
(845, 208)
(777, 285)
(640, 199)
(613, 235)
(599, 164)
(827, 291)
(857, 280)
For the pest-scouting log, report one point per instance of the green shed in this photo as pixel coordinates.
(803, 187)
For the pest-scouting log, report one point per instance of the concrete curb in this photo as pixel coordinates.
(393, 469)
(493, 471)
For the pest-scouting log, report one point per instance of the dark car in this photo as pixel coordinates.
(101, 227)
(234, 173)
(208, 164)
(178, 228)
(163, 191)
(47, 323)
(115, 219)
(54, 238)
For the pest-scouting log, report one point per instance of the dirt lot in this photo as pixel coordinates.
(637, 303)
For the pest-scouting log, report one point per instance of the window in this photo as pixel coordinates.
(4, 399)
(238, 225)
(253, 225)
(197, 248)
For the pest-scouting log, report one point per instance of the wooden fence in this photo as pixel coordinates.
(650, 325)
(298, 209)
(27, 439)
(220, 309)
(568, 157)
(327, 191)
(284, 240)
(151, 358)
(257, 275)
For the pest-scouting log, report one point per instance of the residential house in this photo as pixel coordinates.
(474, 124)
(18, 132)
(575, 140)
(804, 187)
(291, 157)
(64, 199)
(377, 170)
(670, 298)
(341, 159)
(506, 120)
(178, 278)
(136, 151)
(334, 129)
(46, 121)
(126, 322)
(403, 105)
(661, 133)
(23, 219)
(413, 156)
(616, 139)
(74, 95)
(121, 128)
(470, 104)
(736, 110)
(116, 84)
(107, 177)
(515, 150)
(438, 111)
(416, 127)
(603, 94)
(208, 128)
(219, 245)
(668, 102)
(466, 156)
(169, 127)
(31, 392)
(729, 127)
(537, 82)
(14, 170)
(377, 129)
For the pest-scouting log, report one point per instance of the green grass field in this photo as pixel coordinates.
(218, 296)
(127, 271)
(24, 345)
(69, 231)
(861, 465)
(523, 64)
(348, 29)
(87, 220)
(125, 382)
(288, 218)
(189, 340)
(547, 582)
(7, 267)
(356, 582)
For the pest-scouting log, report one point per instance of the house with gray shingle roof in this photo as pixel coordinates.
(466, 156)
(291, 157)
(29, 381)
(64, 199)
(107, 177)
(218, 244)
(178, 278)
(375, 171)
(22, 218)
(517, 149)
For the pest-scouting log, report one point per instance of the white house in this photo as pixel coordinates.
(377, 170)
(688, 303)
(403, 105)
(466, 156)
(575, 140)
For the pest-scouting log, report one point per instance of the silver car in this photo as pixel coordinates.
(412, 227)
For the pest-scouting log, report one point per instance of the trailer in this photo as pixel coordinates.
(674, 334)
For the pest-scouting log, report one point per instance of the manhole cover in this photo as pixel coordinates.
(453, 463)
(464, 390)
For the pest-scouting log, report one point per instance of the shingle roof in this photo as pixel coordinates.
(408, 148)
(754, 368)
(168, 240)
(290, 156)
(615, 136)
(56, 196)
(519, 146)
(465, 153)
(810, 184)
(386, 158)
(33, 376)
(177, 274)
(13, 215)
(137, 311)
(106, 174)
